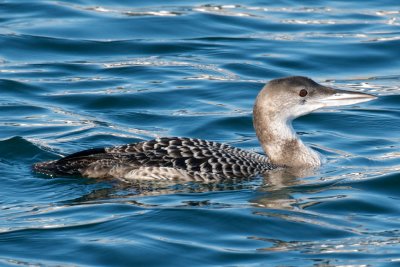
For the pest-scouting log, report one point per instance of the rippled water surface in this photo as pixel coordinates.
(79, 74)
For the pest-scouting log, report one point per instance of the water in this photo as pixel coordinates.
(79, 74)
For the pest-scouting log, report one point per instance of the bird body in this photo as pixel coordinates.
(277, 105)
(164, 158)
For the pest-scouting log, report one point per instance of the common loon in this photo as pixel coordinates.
(187, 159)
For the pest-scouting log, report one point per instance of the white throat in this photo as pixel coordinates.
(280, 142)
(286, 148)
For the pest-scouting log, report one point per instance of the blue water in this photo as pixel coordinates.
(79, 74)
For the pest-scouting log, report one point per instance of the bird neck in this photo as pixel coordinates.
(279, 141)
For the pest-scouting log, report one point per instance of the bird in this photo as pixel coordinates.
(189, 159)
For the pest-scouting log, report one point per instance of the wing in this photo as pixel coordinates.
(194, 155)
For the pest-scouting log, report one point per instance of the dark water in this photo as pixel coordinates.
(79, 74)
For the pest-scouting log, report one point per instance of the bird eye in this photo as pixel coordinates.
(303, 92)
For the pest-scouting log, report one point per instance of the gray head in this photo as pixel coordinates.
(283, 100)
(295, 96)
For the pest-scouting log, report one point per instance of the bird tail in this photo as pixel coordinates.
(54, 168)
(72, 165)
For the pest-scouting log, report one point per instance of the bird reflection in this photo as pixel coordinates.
(273, 189)
(277, 187)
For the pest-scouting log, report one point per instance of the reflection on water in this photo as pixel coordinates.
(76, 75)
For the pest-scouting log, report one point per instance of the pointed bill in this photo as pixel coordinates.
(342, 98)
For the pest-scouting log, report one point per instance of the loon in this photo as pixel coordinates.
(188, 159)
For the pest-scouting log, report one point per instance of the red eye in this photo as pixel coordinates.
(303, 92)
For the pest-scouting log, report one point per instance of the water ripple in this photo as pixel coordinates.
(76, 75)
